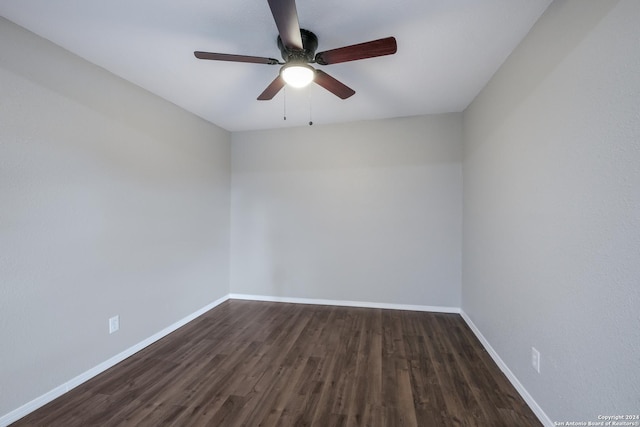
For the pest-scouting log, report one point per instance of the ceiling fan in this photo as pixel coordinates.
(298, 47)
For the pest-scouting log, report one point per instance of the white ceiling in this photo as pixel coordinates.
(447, 51)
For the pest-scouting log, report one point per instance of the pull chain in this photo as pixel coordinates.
(310, 121)
(284, 97)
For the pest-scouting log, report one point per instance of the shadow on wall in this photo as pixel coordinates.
(520, 64)
(73, 77)
(377, 144)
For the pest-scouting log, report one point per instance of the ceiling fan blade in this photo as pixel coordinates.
(271, 90)
(380, 47)
(286, 17)
(235, 58)
(332, 85)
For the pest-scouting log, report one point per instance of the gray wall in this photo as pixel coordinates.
(552, 210)
(113, 201)
(366, 211)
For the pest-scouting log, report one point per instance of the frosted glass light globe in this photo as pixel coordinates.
(297, 75)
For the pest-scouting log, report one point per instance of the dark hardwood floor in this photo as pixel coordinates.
(250, 363)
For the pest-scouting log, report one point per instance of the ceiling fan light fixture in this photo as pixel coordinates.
(297, 74)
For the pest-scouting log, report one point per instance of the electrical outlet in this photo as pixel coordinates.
(535, 359)
(114, 324)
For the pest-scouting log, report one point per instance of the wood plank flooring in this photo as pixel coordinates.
(248, 363)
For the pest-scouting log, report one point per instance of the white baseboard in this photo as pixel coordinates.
(362, 304)
(544, 419)
(40, 401)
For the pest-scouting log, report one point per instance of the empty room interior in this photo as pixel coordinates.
(443, 228)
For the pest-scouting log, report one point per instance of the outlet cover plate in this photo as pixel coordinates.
(114, 324)
(535, 359)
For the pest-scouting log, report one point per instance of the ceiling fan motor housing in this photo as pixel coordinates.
(306, 55)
